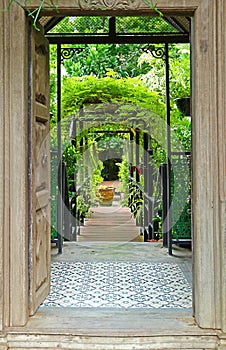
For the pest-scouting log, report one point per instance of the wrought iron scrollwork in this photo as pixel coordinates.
(69, 52)
(156, 52)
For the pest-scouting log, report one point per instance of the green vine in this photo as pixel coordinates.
(153, 6)
(34, 14)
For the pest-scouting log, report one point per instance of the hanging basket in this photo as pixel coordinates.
(183, 104)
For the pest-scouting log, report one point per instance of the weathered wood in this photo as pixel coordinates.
(209, 239)
(220, 88)
(110, 329)
(14, 194)
(39, 174)
(76, 7)
(2, 139)
(5, 169)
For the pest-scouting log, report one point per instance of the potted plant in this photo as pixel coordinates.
(106, 195)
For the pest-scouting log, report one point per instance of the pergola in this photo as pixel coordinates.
(112, 30)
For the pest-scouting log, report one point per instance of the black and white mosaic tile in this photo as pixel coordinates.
(118, 284)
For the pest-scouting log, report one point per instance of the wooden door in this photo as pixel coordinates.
(39, 170)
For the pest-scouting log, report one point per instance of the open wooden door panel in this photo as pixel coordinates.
(39, 170)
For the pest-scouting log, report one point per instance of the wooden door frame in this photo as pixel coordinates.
(208, 114)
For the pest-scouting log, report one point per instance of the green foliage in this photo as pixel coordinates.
(71, 157)
(83, 25)
(181, 194)
(88, 176)
(82, 207)
(78, 92)
(53, 84)
(100, 24)
(130, 94)
(182, 227)
(179, 61)
(123, 176)
(98, 59)
(183, 132)
(95, 181)
(111, 143)
(136, 203)
(145, 94)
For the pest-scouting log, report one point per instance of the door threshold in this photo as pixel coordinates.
(110, 321)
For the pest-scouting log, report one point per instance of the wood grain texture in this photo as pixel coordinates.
(208, 116)
(39, 261)
(2, 158)
(73, 7)
(14, 167)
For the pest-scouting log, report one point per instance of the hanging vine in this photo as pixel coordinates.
(34, 14)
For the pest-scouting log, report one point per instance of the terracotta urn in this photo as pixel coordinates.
(106, 195)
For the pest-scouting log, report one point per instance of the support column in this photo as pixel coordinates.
(73, 204)
(14, 165)
(130, 164)
(137, 155)
(209, 161)
(139, 219)
(168, 132)
(59, 155)
(150, 190)
(164, 203)
(146, 176)
(2, 160)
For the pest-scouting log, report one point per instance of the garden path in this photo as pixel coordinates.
(107, 272)
(110, 223)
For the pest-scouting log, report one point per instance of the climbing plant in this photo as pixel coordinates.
(125, 99)
(34, 14)
(79, 91)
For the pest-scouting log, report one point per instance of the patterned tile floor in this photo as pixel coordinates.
(118, 284)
